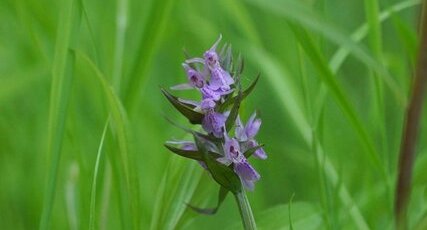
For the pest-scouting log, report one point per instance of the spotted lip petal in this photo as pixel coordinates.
(247, 173)
(232, 150)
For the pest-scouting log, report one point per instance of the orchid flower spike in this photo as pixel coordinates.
(216, 111)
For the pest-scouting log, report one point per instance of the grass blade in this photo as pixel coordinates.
(176, 189)
(121, 25)
(150, 37)
(279, 79)
(95, 178)
(62, 74)
(125, 161)
(302, 15)
(328, 78)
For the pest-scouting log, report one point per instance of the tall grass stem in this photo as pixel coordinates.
(411, 128)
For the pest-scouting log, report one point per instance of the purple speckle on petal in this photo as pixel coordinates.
(232, 149)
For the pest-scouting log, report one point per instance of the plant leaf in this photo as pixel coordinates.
(222, 174)
(191, 154)
(210, 211)
(193, 116)
(222, 107)
(234, 112)
(251, 151)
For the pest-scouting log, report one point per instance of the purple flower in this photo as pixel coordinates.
(241, 166)
(220, 79)
(207, 92)
(195, 78)
(247, 133)
(214, 122)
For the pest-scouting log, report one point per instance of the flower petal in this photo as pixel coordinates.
(207, 104)
(240, 130)
(207, 92)
(250, 185)
(213, 122)
(195, 78)
(189, 102)
(252, 127)
(184, 86)
(232, 149)
(247, 173)
(259, 153)
(195, 60)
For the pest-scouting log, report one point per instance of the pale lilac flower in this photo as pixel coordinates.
(207, 92)
(195, 79)
(241, 166)
(213, 122)
(220, 79)
(246, 134)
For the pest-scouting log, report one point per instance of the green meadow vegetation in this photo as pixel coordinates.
(83, 120)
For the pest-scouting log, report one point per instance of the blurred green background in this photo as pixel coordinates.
(335, 78)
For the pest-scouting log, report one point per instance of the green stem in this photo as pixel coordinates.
(411, 128)
(245, 210)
